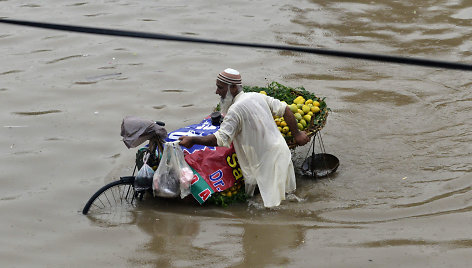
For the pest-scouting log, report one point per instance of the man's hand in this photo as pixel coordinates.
(189, 141)
(186, 141)
(301, 138)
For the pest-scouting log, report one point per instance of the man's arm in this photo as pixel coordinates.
(300, 136)
(189, 141)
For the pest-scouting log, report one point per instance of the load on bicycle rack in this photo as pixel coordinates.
(209, 174)
(169, 171)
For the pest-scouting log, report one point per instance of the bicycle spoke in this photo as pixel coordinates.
(116, 196)
(97, 206)
(113, 194)
(121, 191)
(132, 197)
(101, 202)
(126, 190)
(106, 196)
(127, 193)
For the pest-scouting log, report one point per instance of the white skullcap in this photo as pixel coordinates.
(231, 71)
(229, 76)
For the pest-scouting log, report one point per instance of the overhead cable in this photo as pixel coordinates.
(318, 51)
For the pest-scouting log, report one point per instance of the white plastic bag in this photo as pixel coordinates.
(143, 180)
(173, 176)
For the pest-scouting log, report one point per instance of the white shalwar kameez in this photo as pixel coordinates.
(263, 154)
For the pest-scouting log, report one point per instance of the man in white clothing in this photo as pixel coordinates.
(263, 154)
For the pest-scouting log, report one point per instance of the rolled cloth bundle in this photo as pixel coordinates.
(135, 131)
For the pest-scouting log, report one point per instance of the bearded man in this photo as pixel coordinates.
(263, 154)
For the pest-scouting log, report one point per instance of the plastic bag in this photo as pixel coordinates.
(143, 180)
(173, 176)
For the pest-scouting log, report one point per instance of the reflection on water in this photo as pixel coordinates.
(189, 238)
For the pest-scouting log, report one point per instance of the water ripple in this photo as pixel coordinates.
(385, 216)
(463, 14)
(159, 107)
(64, 59)
(103, 77)
(30, 5)
(40, 51)
(11, 72)
(85, 82)
(455, 244)
(435, 198)
(379, 96)
(37, 112)
(54, 37)
(96, 14)
(173, 90)
(79, 4)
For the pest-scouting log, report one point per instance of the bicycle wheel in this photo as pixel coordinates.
(115, 195)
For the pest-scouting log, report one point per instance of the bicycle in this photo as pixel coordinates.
(122, 193)
(127, 192)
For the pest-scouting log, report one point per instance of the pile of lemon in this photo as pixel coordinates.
(303, 110)
(232, 190)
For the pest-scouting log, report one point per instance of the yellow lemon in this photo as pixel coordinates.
(310, 113)
(293, 107)
(283, 124)
(315, 103)
(315, 109)
(299, 106)
(305, 109)
(289, 133)
(263, 92)
(303, 122)
(307, 118)
(300, 111)
(285, 130)
(309, 101)
(299, 100)
(298, 116)
(279, 128)
(300, 126)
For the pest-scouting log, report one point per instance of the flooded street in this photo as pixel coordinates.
(402, 196)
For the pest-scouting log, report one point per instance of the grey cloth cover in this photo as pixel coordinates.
(135, 131)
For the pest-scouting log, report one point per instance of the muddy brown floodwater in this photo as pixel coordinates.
(400, 198)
